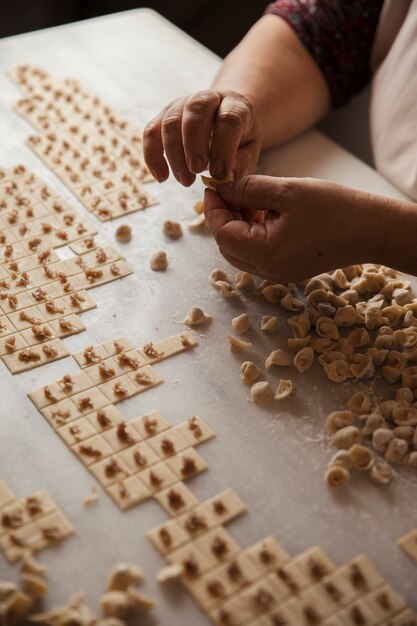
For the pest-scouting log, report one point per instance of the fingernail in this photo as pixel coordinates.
(196, 164)
(217, 169)
(159, 175)
(186, 179)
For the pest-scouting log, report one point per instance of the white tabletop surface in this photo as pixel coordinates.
(274, 459)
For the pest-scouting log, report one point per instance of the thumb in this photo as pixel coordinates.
(263, 193)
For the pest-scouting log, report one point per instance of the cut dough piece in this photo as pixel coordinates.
(117, 346)
(89, 400)
(266, 555)
(261, 393)
(196, 316)
(123, 233)
(167, 537)
(91, 355)
(195, 430)
(54, 527)
(150, 424)
(68, 325)
(76, 432)
(105, 418)
(277, 357)
(249, 372)
(169, 443)
(71, 384)
(92, 450)
(285, 389)
(110, 470)
(408, 543)
(222, 508)
(269, 323)
(139, 457)
(237, 345)
(159, 261)
(121, 436)
(92, 498)
(12, 343)
(103, 371)
(177, 499)
(309, 567)
(192, 559)
(60, 413)
(241, 323)
(128, 492)
(186, 464)
(218, 544)
(172, 229)
(157, 477)
(119, 389)
(169, 573)
(212, 183)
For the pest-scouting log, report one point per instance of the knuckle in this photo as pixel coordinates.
(150, 132)
(171, 124)
(231, 117)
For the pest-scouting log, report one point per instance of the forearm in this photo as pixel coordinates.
(275, 72)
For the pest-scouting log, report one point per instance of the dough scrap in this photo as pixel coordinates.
(261, 393)
(285, 389)
(159, 261)
(196, 316)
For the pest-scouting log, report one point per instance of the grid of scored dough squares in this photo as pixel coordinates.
(95, 152)
(148, 457)
(29, 524)
(41, 295)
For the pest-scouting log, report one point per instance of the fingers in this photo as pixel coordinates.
(262, 193)
(245, 241)
(232, 123)
(153, 148)
(197, 121)
(172, 141)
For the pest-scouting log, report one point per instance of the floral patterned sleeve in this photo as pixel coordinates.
(339, 36)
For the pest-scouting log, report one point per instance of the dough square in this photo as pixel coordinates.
(105, 418)
(60, 309)
(130, 360)
(89, 400)
(191, 558)
(163, 349)
(186, 464)
(22, 302)
(107, 252)
(157, 477)
(39, 504)
(16, 364)
(83, 302)
(110, 470)
(222, 508)
(128, 492)
(312, 565)
(81, 246)
(173, 534)
(115, 346)
(19, 343)
(6, 494)
(62, 289)
(195, 430)
(360, 608)
(6, 327)
(60, 413)
(121, 437)
(360, 575)
(317, 599)
(167, 444)
(139, 457)
(211, 589)
(176, 499)
(77, 431)
(15, 543)
(218, 545)
(408, 543)
(45, 396)
(151, 424)
(266, 555)
(405, 618)
(67, 325)
(83, 359)
(32, 311)
(110, 389)
(30, 339)
(145, 378)
(53, 528)
(94, 371)
(74, 383)
(93, 450)
(385, 602)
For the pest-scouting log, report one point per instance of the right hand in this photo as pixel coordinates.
(208, 129)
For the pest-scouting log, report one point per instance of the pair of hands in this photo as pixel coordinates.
(281, 229)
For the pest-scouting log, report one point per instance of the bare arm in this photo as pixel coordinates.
(273, 69)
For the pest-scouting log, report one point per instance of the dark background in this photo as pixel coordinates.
(218, 24)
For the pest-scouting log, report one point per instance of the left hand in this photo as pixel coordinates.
(309, 226)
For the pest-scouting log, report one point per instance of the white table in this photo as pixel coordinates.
(273, 459)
